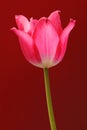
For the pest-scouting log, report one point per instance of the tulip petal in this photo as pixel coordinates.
(55, 19)
(46, 39)
(33, 23)
(28, 48)
(64, 38)
(22, 23)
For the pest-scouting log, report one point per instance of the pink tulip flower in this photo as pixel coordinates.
(44, 41)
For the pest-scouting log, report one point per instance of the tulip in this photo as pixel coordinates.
(43, 43)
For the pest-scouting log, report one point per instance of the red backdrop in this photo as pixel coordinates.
(22, 94)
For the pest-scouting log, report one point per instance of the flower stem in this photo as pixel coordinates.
(49, 100)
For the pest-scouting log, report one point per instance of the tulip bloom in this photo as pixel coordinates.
(44, 41)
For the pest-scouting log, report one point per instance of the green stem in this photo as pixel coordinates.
(49, 100)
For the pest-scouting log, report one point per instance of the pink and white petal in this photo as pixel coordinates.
(57, 54)
(46, 39)
(29, 50)
(64, 37)
(33, 23)
(22, 23)
(55, 19)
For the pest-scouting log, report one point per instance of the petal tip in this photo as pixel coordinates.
(57, 11)
(16, 16)
(72, 20)
(13, 28)
(31, 18)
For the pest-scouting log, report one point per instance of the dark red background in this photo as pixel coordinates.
(22, 94)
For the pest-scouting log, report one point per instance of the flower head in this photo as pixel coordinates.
(44, 41)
